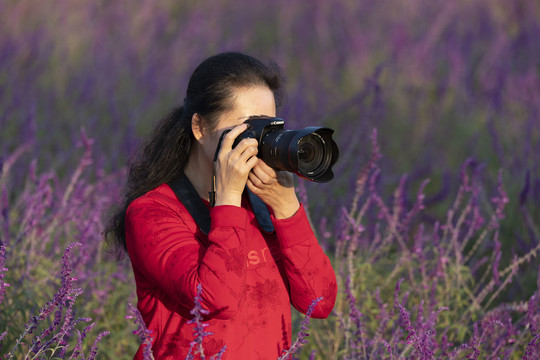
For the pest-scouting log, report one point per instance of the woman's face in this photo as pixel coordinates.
(247, 102)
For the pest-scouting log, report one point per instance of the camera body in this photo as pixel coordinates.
(310, 152)
(259, 127)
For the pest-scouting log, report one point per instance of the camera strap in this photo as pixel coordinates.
(188, 196)
(261, 212)
(199, 211)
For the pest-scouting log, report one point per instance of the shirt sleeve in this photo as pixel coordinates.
(307, 267)
(164, 251)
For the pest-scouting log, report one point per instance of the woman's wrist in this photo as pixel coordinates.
(227, 196)
(228, 199)
(286, 209)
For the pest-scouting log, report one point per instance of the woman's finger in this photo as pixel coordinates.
(252, 161)
(245, 154)
(228, 139)
(255, 180)
(267, 169)
(264, 173)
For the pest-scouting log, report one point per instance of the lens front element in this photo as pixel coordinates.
(311, 154)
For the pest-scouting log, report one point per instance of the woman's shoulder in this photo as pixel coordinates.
(160, 202)
(161, 197)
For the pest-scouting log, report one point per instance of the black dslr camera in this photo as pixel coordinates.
(310, 152)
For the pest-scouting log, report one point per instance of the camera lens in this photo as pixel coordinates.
(312, 154)
(308, 156)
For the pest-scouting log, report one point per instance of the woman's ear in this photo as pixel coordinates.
(197, 126)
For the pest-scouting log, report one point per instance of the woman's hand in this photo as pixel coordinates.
(275, 188)
(233, 167)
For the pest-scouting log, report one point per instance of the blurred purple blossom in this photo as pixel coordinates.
(302, 335)
(199, 332)
(144, 334)
(53, 338)
(94, 349)
(357, 337)
(3, 269)
(441, 82)
(531, 352)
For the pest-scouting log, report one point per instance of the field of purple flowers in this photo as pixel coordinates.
(432, 222)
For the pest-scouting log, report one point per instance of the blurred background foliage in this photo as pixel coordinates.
(441, 81)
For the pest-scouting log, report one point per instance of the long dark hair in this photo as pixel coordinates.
(166, 153)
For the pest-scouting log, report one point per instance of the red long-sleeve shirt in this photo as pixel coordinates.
(249, 278)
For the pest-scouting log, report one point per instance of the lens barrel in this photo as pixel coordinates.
(310, 152)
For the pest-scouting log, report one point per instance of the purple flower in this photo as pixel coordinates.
(473, 344)
(55, 336)
(142, 331)
(81, 335)
(219, 354)
(405, 319)
(4, 210)
(501, 200)
(302, 333)
(497, 259)
(3, 284)
(199, 332)
(531, 352)
(355, 315)
(94, 349)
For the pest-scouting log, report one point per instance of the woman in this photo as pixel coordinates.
(249, 277)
